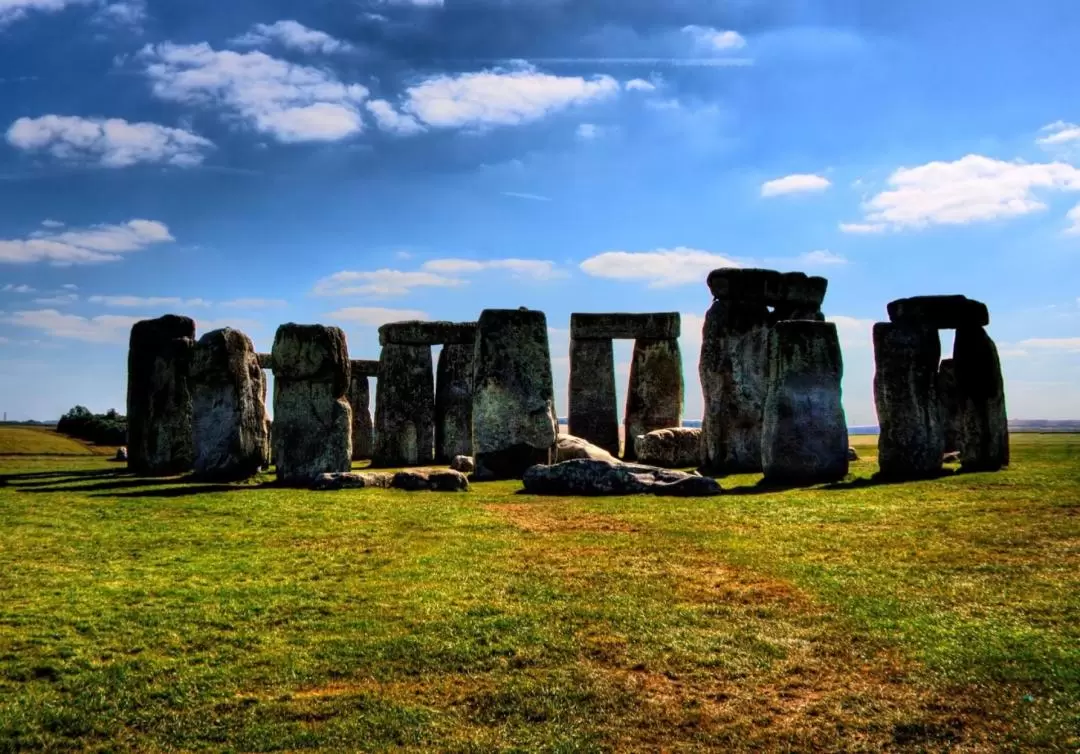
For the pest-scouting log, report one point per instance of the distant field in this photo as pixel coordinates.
(16, 440)
(157, 615)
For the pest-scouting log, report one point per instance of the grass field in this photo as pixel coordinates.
(37, 441)
(154, 615)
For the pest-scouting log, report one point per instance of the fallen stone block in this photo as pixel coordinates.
(598, 477)
(674, 447)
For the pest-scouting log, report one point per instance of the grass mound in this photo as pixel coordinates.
(40, 441)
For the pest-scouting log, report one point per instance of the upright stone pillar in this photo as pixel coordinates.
(159, 396)
(950, 408)
(360, 403)
(228, 394)
(404, 407)
(453, 402)
(804, 436)
(312, 431)
(514, 422)
(980, 392)
(912, 436)
(592, 413)
(654, 398)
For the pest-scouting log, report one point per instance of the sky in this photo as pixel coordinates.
(355, 162)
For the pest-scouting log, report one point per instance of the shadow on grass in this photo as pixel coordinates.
(115, 484)
(191, 489)
(877, 480)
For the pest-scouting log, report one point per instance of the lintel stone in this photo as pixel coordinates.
(365, 367)
(424, 333)
(941, 312)
(767, 286)
(651, 326)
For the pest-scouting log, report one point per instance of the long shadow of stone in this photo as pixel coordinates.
(191, 490)
(54, 477)
(118, 484)
(880, 480)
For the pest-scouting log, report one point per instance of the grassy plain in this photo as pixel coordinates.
(159, 615)
(31, 441)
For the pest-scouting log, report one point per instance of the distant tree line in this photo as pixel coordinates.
(109, 428)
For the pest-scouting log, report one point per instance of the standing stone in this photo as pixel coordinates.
(654, 396)
(804, 437)
(312, 431)
(912, 437)
(593, 413)
(980, 392)
(228, 399)
(404, 407)
(514, 422)
(950, 408)
(159, 397)
(734, 380)
(360, 403)
(453, 402)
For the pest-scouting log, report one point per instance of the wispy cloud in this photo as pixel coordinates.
(255, 303)
(104, 329)
(522, 195)
(384, 282)
(97, 244)
(135, 302)
(293, 35)
(375, 316)
(661, 268)
(795, 184)
(532, 269)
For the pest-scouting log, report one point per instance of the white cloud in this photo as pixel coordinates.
(795, 183)
(501, 97)
(862, 228)
(640, 85)
(70, 286)
(971, 189)
(1069, 345)
(134, 302)
(293, 35)
(383, 282)
(821, 257)
(104, 329)
(389, 119)
(661, 268)
(112, 142)
(853, 332)
(14, 10)
(1073, 216)
(52, 224)
(99, 243)
(62, 299)
(1058, 134)
(255, 303)
(129, 13)
(375, 316)
(715, 39)
(292, 103)
(21, 288)
(533, 269)
(588, 131)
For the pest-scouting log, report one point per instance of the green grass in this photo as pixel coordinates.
(35, 441)
(154, 615)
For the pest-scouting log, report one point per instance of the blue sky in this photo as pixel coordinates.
(362, 161)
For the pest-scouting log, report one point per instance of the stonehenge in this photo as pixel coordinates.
(415, 419)
(360, 370)
(514, 424)
(159, 396)
(312, 416)
(230, 432)
(747, 305)
(673, 448)
(927, 407)
(804, 437)
(654, 396)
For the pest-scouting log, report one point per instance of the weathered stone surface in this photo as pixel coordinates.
(622, 326)
(734, 380)
(265, 361)
(570, 447)
(906, 396)
(464, 464)
(950, 406)
(365, 367)
(404, 407)
(600, 477)
(804, 435)
(312, 432)
(769, 287)
(941, 312)
(424, 333)
(228, 397)
(654, 397)
(514, 423)
(453, 402)
(593, 412)
(412, 480)
(980, 392)
(672, 447)
(360, 403)
(159, 396)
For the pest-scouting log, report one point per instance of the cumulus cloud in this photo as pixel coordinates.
(533, 269)
(501, 97)
(390, 120)
(291, 103)
(794, 184)
(14, 10)
(971, 189)
(126, 13)
(720, 40)
(293, 35)
(111, 143)
(662, 268)
(99, 243)
(107, 328)
(374, 316)
(383, 282)
(135, 302)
